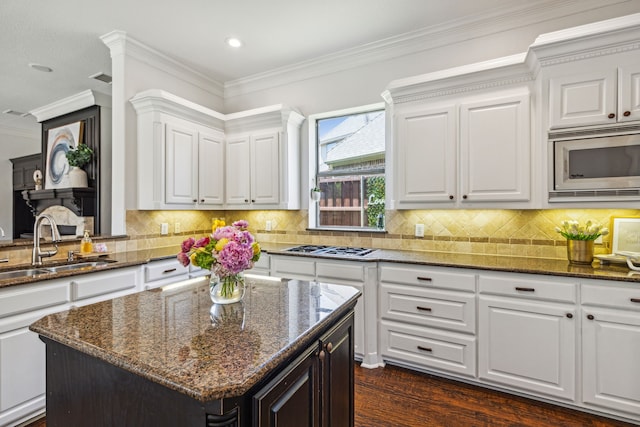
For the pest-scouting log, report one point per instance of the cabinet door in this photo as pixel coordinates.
(181, 165)
(22, 370)
(629, 93)
(293, 397)
(529, 345)
(238, 170)
(426, 155)
(610, 354)
(495, 152)
(210, 169)
(585, 99)
(265, 168)
(336, 357)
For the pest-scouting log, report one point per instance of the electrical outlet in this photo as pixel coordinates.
(598, 240)
(164, 228)
(268, 225)
(177, 228)
(419, 230)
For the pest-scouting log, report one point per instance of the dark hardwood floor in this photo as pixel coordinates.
(397, 397)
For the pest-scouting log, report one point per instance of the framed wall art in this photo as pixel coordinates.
(625, 234)
(59, 141)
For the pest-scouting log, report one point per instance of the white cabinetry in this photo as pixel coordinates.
(22, 354)
(428, 318)
(610, 347)
(180, 153)
(360, 275)
(262, 160)
(163, 272)
(527, 334)
(607, 96)
(458, 147)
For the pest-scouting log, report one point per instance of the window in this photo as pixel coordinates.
(349, 169)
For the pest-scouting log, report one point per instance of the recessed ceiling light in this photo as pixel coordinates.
(40, 67)
(233, 41)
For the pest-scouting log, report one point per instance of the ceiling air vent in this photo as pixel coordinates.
(14, 113)
(102, 77)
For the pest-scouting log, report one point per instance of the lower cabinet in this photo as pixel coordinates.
(527, 334)
(611, 348)
(316, 389)
(163, 272)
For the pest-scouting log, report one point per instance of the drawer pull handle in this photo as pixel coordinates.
(424, 348)
(518, 288)
(169, 270)
(423, 308)
(635, 300)
(426, 279)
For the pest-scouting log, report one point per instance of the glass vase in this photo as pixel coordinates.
(226, 289)
(580, 251)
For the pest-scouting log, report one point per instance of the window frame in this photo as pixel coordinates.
(313, 163)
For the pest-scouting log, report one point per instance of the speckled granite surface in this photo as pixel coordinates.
(176, 337)
(445, 259)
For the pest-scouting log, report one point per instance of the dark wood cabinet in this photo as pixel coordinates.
(316, 389)
(23, 169)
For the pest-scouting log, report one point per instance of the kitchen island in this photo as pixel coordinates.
(167, 357)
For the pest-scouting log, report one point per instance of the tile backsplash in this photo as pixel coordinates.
(503, 232)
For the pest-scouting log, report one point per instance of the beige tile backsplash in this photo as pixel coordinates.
(504, 232)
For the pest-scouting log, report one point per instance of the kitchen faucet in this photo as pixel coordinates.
(37, 256)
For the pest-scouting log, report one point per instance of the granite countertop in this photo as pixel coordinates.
(543, 266)
(174, 336)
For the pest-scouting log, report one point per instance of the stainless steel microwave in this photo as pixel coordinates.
(596, 168)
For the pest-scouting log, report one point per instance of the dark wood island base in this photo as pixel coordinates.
(98, 380)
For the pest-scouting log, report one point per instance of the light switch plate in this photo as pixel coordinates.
(177, 228)
(164, 228)
(268, 225)
(419, 230)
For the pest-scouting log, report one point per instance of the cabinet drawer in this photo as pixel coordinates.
(428, 348)
(608, 296)
(340, 271)
(33, 297)
(263, 263)
(515, 286)
(429, 277)
(162, 269)
(103, 283)
(293, 267)
(429, 307)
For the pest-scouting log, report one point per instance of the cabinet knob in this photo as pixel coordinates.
(626, 113)
(329, 347)
(450, 196)
(464, 197)
(590, 316)
(195, 200)
(321, 355)
(201, 200)
(246, 200)
(570, 316)
(612, 116)
(253, 200)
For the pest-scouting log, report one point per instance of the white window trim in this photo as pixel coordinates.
(313, 143)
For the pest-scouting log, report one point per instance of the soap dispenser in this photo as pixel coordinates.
(86, 246)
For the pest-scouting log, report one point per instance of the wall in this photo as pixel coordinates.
(13, 143)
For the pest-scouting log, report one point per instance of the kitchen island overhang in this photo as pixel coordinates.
(169, 356)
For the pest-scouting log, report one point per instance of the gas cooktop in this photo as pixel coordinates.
(330, 250)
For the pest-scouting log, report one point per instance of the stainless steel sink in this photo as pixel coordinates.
(78, 266)
(29, 272)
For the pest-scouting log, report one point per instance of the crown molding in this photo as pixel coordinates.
(414, 42)
(70, 104)
(119, 43)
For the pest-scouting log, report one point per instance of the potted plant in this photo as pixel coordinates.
(315, 193)
(77, 158)
(580, 239)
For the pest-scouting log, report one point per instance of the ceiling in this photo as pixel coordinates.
(64, 35)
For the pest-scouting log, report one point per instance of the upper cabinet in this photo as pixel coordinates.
(462, 139)
(191, 157)
(595, 98)
(263, 159)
